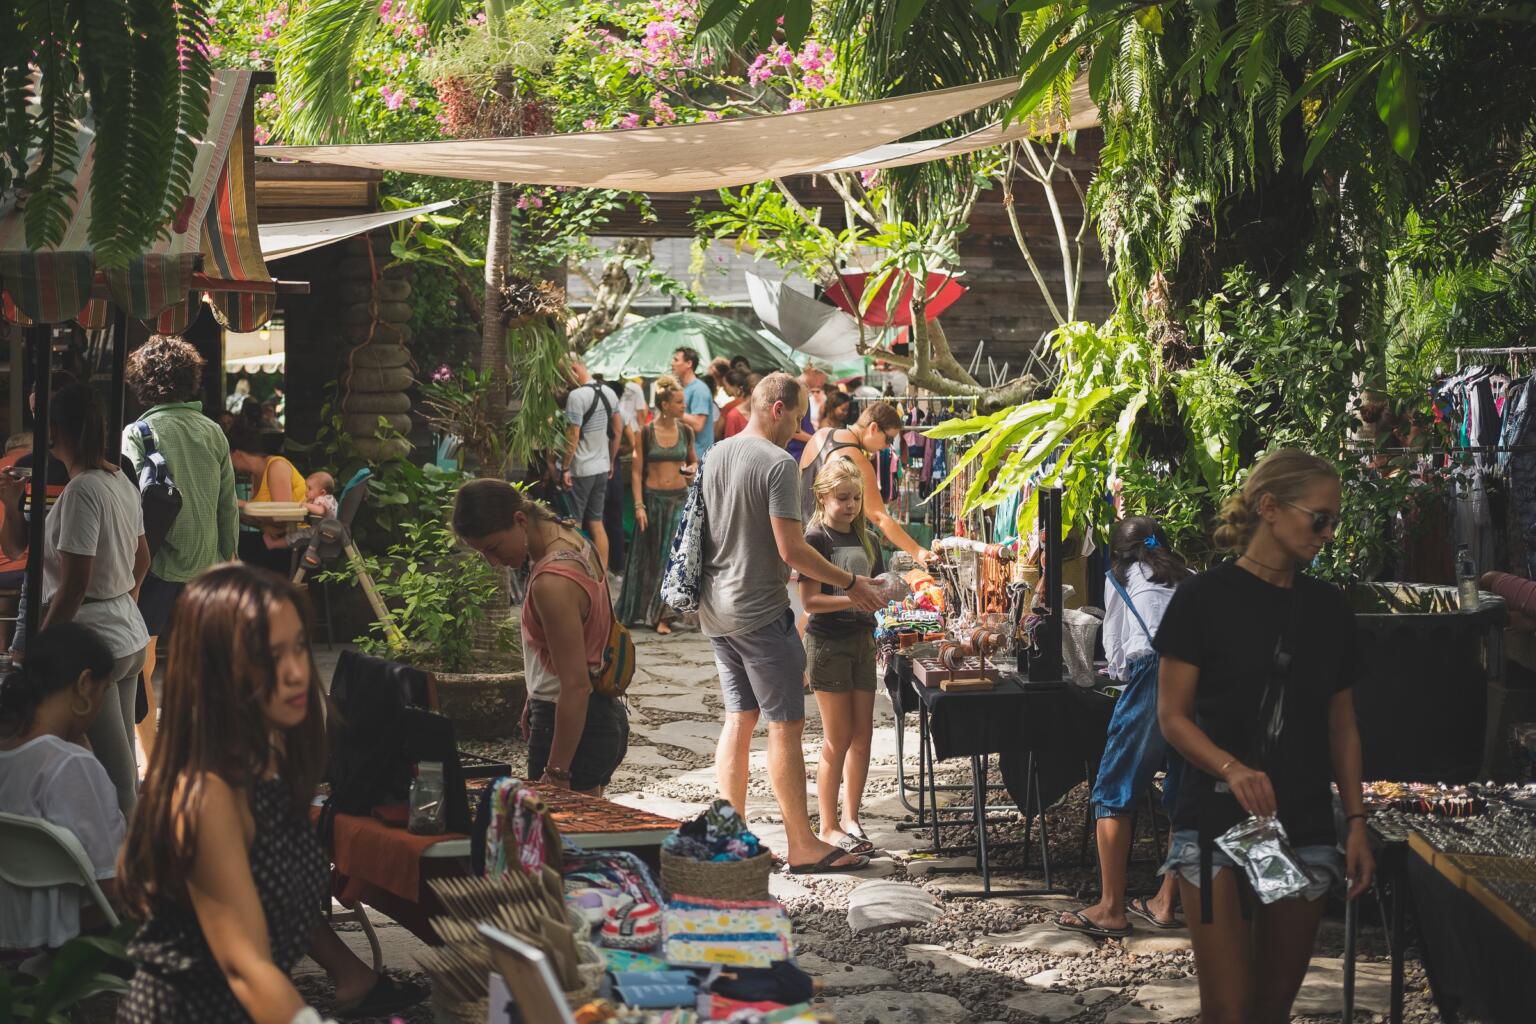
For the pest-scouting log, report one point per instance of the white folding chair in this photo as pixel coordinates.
(41, 855)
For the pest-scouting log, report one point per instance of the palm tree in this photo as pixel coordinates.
(140, 70)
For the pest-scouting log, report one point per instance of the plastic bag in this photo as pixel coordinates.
(1261, 848)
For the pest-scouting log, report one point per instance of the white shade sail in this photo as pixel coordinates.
(677, 158)
(289, 238)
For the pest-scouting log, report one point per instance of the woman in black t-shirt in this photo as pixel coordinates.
(1254, 692)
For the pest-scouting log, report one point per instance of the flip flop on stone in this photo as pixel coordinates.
(1138, 905)
(1081, 923)
(851, 843)
(825, 866)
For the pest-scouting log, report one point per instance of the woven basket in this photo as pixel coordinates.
(717, 880)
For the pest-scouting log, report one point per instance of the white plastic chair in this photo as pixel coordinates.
(41, 855)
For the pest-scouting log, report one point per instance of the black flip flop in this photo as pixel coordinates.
(826, 867)
(1087, 927)
(1137, 905)
(388, 996)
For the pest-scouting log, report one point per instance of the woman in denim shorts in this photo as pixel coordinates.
(1254, 692)
(1144, 569)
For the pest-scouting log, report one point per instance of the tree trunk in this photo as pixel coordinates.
(493, 336)
(493, 360)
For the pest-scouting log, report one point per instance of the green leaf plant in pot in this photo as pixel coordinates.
(449, 608)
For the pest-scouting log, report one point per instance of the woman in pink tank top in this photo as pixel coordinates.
(576, 738)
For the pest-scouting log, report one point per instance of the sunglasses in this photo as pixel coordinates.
(1322, 522)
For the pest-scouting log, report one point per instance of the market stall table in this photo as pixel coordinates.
(1017, 718)
(388, 868)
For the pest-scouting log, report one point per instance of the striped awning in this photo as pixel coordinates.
(213, 238)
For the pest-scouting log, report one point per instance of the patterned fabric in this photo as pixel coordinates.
(684, 576)
(56, 285)
(640, 602)
(178, 981)
(231, 245)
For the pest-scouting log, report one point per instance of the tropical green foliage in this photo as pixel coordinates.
(134, 73)
(438, 592)
(83, 967)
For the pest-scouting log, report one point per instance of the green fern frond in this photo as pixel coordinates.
(1298, 30)
(51, 183)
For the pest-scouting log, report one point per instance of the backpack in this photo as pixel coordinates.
(607, 408)
(808, 474)
(158, 493)
(683, 577)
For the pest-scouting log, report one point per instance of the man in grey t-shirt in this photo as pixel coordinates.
(593, 429)
(751, 490)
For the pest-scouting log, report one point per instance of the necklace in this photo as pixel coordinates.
(1261, 565)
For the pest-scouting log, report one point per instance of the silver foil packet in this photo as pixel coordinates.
(1260, 847)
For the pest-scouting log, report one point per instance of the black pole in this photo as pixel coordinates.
(119, 372)
(40, 341)
(1046, 665)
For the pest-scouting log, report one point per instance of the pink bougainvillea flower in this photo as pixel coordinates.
(795, 106)
(589, 124)
(629, 121)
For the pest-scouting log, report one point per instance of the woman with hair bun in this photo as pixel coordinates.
(46, 709)
(1254, 692)
(576, 736)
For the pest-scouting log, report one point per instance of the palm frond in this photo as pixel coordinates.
(314, 68)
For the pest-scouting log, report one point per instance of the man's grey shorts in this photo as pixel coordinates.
(587, 494)
(764, 670)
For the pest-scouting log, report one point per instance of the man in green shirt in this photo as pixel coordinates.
(166, 374)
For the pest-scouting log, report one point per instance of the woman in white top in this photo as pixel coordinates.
(94, 558)
(45, 710)
(1144, 569)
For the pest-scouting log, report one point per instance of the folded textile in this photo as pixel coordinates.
(719, 834)
(629, 961)
(751, 950)
(657, 989)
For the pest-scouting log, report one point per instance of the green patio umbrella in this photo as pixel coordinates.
(644, 348)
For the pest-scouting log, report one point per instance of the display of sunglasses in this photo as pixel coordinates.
(1322, 522)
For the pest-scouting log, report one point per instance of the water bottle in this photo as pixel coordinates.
(427, 817)
(1467, 598)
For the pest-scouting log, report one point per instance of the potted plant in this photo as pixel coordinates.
(443, 601)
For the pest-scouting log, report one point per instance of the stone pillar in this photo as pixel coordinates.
(377, 369)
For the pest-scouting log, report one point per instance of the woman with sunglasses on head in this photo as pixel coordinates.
(1254, 692)
(877, 428)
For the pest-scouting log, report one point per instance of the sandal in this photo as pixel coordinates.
(387, 997)
(851, 843)
(825, 866)
(1138, 905)
(1081, 923)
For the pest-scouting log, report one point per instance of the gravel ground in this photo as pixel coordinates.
(981, 973)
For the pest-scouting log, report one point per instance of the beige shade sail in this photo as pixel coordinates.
(678, 158)
(1084, 113)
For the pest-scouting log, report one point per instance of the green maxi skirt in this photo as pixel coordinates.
(640, 601)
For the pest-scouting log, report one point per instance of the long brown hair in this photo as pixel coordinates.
(218, 678)
(486, 506)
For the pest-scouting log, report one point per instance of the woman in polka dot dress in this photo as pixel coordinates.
(221, 862)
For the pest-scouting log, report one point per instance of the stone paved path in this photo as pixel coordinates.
(958, 960)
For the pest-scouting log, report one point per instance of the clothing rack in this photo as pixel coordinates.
(1444, 450)
(1514, 350)
(921, 399)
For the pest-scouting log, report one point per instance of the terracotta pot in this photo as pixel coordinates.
(481, 705)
